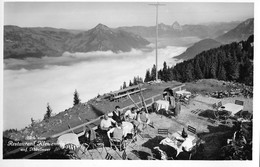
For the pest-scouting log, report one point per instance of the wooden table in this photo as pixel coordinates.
(162, 104)
(183, 93)
(232, 108)
(69, 138)
(178, 142)
(127, 128)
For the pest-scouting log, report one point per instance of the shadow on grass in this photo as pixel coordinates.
(166, 113)
(155, 142)
(207, 114)
(214, 140)
(244, 114)
(141, 154)
(151, 143)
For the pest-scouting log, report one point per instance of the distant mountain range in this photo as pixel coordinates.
(210, 30)
(34, 42)
(102, 38)
(239, 33)
(37, 42)
(46, 41)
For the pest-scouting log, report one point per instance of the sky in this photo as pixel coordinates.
(86, 15)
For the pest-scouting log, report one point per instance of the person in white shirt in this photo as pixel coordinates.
(131, 116)
(106, 123)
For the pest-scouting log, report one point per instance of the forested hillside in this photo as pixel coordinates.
(198, 47)
(232, 62)
(239, 33)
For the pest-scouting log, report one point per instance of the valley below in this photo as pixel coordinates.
(31, 83)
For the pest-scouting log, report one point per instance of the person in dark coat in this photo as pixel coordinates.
(172, 103)
(89, 134)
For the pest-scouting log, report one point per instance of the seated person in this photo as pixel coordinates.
(106, 123)
(143, 119)
(131, 116)
(116, 114)
(91, 137)
(116, 135)
(128, 129)
(89, 134)
(116, 132)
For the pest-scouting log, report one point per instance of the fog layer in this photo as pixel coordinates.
(32, 83)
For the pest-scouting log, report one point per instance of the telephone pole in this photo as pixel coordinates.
(156, 45)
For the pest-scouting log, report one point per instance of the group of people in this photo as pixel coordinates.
(118, 126)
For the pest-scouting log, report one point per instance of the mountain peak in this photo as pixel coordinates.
(176, 23)
(249, 21)
(101, 27)
(176, 26)
(103, 38)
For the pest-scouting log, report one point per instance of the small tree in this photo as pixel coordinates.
(147, 76)
(124, 85)
(153, 73)
(76, 98)
(135, 81)
(48, 112)
(32, 122)
(222, 73)
(141, 80)
(130, 83)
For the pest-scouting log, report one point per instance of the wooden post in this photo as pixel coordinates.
(132, 100)
(142, 98)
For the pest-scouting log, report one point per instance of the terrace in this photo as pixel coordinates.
(198, 113)
(213, 134)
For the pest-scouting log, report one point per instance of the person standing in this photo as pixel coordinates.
(177, 109)
(171, 101)
(116, 114)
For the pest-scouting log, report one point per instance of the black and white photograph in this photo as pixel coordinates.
(151, 80)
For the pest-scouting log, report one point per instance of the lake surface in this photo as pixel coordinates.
(32, 83)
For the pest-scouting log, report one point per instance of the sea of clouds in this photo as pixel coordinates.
(31, 83)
